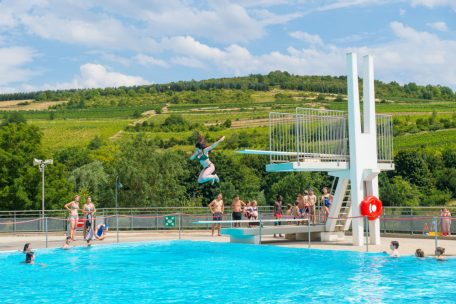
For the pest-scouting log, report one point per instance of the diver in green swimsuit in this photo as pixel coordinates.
(202, 153)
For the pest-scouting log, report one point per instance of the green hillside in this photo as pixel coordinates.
(94, 134)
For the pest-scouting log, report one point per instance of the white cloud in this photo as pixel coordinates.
(104, 32)
(341, 4)
(95, 76)
(306, 37)
(435, 3)
(412, 56)
(222, 21)
(149, 60)
(12, 64)
(402, 12)
(439, 26)
(190, 47)
(266, 17)
(113, 58)
(189, 62)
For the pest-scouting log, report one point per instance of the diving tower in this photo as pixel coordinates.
(352, 148)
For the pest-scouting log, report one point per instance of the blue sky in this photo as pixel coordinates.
(58, 44)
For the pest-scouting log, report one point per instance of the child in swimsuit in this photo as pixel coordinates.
(29, 254)
(66, 245)
(394, 246)
(101, 231)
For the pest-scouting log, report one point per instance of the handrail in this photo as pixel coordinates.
(160, 208)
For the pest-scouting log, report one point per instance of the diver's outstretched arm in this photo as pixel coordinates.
(194, 155)
(214, 144)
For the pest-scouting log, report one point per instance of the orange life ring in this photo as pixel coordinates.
(371, 207)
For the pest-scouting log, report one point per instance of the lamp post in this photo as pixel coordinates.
(42, 165)
(118, 185)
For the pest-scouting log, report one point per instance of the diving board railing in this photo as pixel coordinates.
(317, 135)
(384, 138)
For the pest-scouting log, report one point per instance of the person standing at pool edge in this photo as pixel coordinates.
(446, 222)
(278, 211)
(217, 208)
(312, 203)
(89, 211)
(327, 199)
(236, 207)
(202, 153)
(73, 207)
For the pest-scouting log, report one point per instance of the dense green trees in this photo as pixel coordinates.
(150, 178)
(422, 177)
(20, 182)
(79, 98)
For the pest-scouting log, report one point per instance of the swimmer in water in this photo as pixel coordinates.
(66, 245)
(439, 251)
(394, 246)
(202, 153)
(29, 254)
(419, 253)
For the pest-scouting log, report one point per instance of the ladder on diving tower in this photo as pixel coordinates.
(340, 211)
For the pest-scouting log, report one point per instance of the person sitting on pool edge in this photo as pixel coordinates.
(439, 251)
(29, 254)
(101, 230)
(419, 253)
(394, 246)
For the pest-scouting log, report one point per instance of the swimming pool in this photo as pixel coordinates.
(200, 272)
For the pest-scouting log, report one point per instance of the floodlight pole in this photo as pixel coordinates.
(42, 165)
(117, 209)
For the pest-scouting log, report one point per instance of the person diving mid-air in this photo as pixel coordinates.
(202, 153)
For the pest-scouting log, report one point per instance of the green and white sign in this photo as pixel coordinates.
(169, 221)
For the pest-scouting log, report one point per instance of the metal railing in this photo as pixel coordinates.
(412, 219)
(321, 135)
(384, 138)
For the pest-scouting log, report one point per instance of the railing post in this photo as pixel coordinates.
(411, 221)
(117, 224)
(367, 233)
(261, 224)
(131, 219)
(156, 219)
(435, 231)
(180, 224)
(46, 228)
(14, 221)
(308, 230)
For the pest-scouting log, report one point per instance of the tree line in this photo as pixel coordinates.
(254, 82)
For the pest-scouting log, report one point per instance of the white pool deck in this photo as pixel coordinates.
(408, 245)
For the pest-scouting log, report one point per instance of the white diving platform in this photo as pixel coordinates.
(312, 162)
(253, 235)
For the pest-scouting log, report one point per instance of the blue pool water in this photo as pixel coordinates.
(199, 272)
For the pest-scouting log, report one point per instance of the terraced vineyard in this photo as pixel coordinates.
(66, 127)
